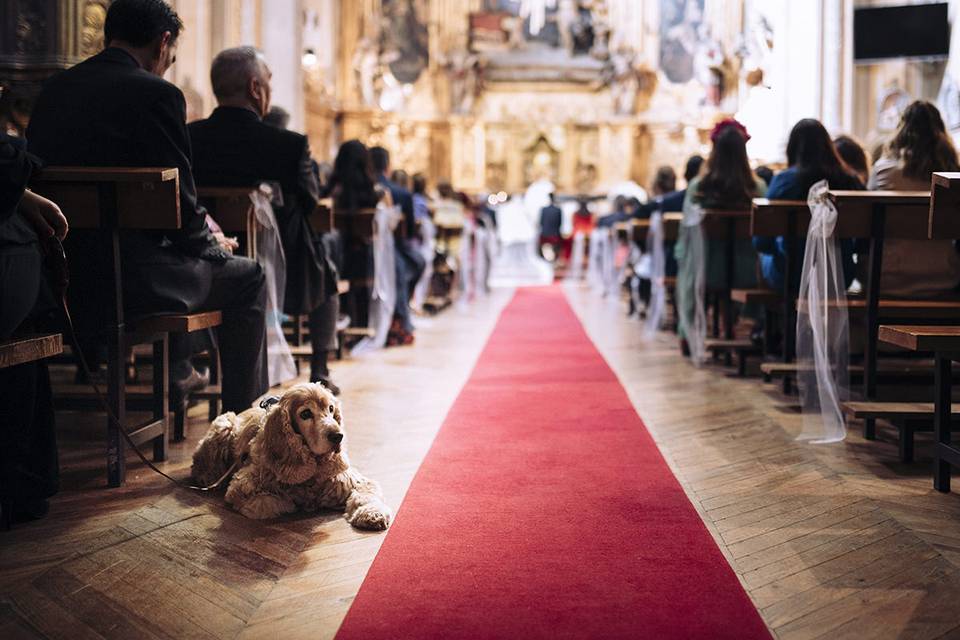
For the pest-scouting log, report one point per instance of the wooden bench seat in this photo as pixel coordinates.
(179, 323)
(895, 410)
(105, 201)
(756, 296)
(30, 348)
(886, 367)
(944, 343)
(906, 417)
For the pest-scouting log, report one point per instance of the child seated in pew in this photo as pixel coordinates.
(917, 268)
(727, 184)
(811, 157)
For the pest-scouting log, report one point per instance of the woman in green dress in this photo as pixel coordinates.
(727, 183)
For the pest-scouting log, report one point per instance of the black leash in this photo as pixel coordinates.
(60, 276)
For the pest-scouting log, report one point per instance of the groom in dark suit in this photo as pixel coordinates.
(115, 109)
(234, 147)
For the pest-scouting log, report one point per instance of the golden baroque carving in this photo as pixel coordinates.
(91, 29)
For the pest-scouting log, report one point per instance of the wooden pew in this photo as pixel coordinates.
(789, 219)
(670, 223)
(321, 218)
(876, 216)
(727, 226)
(29, 348)
(944, 343)
(109, 200)
(232, 208)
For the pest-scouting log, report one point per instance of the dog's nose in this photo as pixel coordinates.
(335, 437)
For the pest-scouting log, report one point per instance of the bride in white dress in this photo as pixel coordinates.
(518, 221)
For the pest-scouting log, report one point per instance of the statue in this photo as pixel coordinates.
(568, 15)
(629, 80)
(366, 66)
(513, 25)
(465, 70)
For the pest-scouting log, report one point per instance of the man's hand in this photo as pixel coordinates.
(45, 216)
(228, 244)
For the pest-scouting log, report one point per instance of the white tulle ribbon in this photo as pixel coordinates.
(823, 339)
(657, 265)
(280, 364)
(693, 313)
(383, 295)
(427, 248)
(602, 268)
(577, 253)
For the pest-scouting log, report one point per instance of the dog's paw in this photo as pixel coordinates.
(373, 516)
(266, 506)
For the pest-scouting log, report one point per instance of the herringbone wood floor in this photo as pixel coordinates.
(837, 541)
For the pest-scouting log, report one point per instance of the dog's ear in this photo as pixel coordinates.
(284, 452)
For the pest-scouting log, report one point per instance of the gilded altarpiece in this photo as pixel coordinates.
(491, 106)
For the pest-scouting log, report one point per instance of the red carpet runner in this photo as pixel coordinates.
(544, 510)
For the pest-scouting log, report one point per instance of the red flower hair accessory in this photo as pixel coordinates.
(724, 124)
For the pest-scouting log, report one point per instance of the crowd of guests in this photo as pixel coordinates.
(115, 110)
(726, 180)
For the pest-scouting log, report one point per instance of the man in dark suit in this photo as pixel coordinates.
(410, 264)
(115, 109)
(551, 221)
(235, 147)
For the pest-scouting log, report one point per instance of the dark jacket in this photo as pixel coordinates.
(667, 203)
(551, 219)
(786, 185)
(403, 199)
(107, 111)
(233, 147)
(16, 166)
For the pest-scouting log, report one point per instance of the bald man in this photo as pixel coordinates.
(235, 147)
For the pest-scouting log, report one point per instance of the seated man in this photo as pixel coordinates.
(234, 147)
(115, 110)
(551, 220)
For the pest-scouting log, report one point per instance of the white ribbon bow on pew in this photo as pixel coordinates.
(658, 297)
(693, 312)
(823, 339)
(280, 364)
(577, 254)
(383, 295)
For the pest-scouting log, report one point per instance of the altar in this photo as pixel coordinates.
(495, 94)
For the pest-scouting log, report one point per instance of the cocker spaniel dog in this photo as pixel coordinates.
(289, 456)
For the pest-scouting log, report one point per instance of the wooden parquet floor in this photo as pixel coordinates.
(839, 541)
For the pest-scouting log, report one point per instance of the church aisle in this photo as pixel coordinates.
(544, 509)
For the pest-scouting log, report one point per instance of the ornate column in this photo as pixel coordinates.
(37, 39)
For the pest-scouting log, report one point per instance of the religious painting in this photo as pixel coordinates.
(567, 25)
(545, 40)
(681, 22)
(405, 39)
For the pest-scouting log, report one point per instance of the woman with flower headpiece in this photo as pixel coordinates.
(728, 183)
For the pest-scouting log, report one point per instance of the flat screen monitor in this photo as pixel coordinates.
(909, 31)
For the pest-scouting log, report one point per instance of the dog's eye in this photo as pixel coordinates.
(306, 414)
(330, 408)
